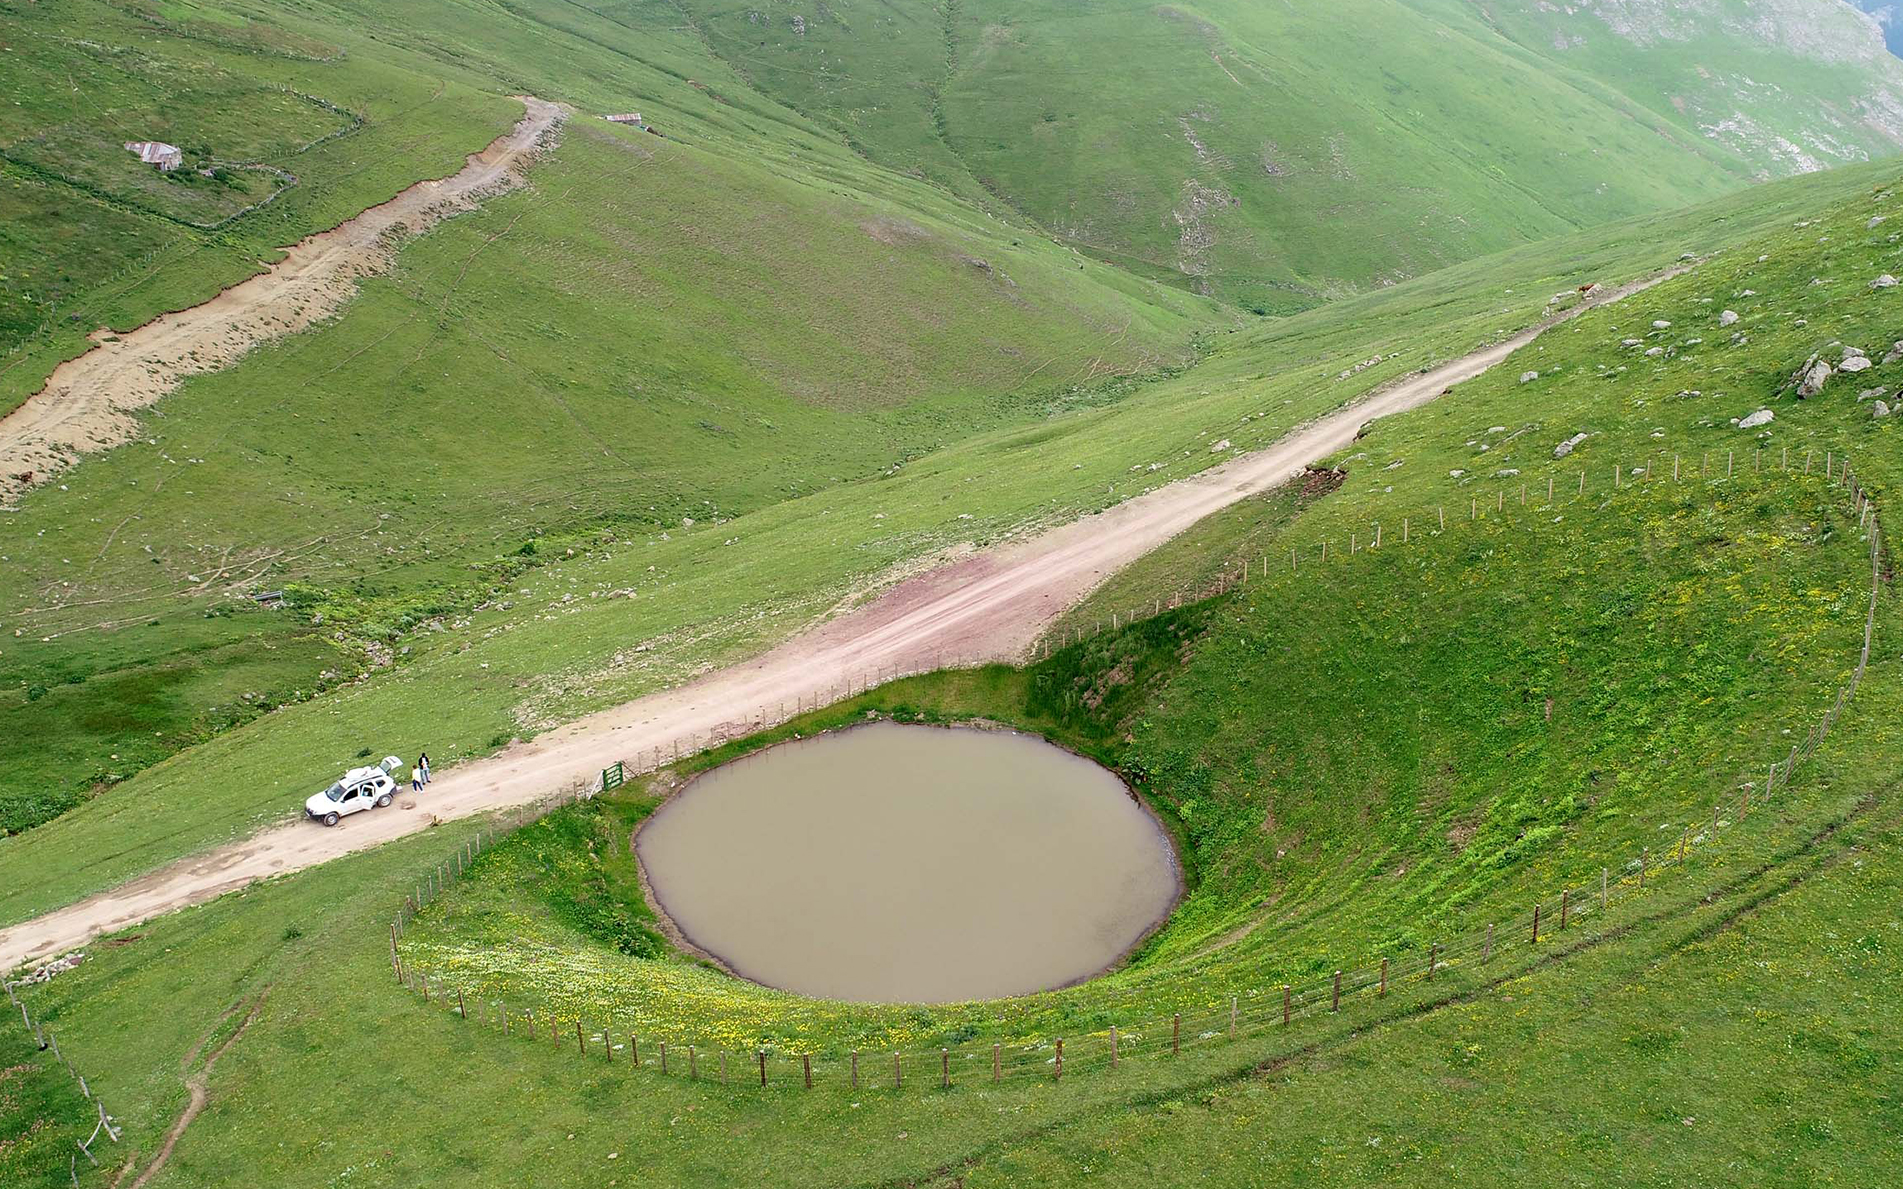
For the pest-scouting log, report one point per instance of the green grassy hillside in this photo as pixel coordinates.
(1358, 760)
(1276, 153)
(776, 297)
(897, 283)
(529, 636)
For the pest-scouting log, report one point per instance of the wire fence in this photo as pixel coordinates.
(1250, 1011)
(48, 1042)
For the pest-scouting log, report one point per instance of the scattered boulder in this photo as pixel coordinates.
(1761, 417)
(1219, 447)
(1886, 281)
(1661, 324)
(1528, 377)
(1569, 445)
(1654, 352)
(1812, 377)
(1875, 222)
(1895, 352)
(1879, 410)
(1727, 317)
(1630, 342)
(1856, 363)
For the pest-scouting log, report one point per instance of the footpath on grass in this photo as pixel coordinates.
(990, 607)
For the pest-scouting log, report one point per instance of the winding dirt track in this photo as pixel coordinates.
(90, 402)
(989, 607)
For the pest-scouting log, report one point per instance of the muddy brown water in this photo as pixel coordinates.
(910, 864)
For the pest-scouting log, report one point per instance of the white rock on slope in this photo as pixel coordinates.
(1761, 417)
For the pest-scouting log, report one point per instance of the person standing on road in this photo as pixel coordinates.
(416, 777)
(422, 764)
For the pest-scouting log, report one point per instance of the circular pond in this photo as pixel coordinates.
(907, 864)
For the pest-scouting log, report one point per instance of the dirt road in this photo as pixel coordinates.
(991, 606)
(89, 402)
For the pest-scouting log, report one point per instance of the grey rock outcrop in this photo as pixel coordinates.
(1812, 377)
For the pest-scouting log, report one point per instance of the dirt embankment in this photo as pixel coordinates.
(989, 606)
(91, 402)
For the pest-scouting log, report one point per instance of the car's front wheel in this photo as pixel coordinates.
(330, 819)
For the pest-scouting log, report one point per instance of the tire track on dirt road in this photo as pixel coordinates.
(992, 606)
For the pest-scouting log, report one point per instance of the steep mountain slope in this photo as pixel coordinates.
(1889, 17)
(1271, 153)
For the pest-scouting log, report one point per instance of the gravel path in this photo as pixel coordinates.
(91, 401)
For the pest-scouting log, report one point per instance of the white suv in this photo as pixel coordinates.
(361, 788)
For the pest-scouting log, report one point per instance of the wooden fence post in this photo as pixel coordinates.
(1487, 955)
(944, 1069)
(581, 1042)
(1285, 1004)
(855, 1069)
(1433, 962)
(460, 1009)
(1383, 993)
(664, 1056)
(1176, 1034)
(762, 1063)
(1536, 923)
(806, 1067)
(1059, 1071)
(997, 1062)
(634, 1049)
(693, 1064)
(1603, 894)
(1565, 895)
(1334, 1004)
(1232, 1017)
(1113, 1047)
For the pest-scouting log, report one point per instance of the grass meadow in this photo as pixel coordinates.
(1357, 761)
